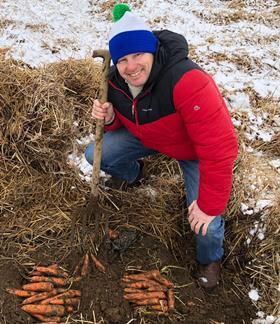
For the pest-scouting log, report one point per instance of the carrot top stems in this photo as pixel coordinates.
(161, 308)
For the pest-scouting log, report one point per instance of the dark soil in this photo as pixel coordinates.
(102, 294)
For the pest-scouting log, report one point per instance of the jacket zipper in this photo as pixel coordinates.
(134, 101)
(134, 110)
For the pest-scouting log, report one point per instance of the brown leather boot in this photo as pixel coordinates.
(209, 275)
(118, 184)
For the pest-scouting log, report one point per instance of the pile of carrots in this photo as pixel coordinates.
(151, 290)
(47, 295)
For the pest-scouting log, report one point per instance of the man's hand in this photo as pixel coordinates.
(198, 218)
(103, 111)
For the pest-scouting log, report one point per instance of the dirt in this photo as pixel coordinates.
(102, 294)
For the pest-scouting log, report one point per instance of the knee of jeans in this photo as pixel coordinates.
(216, 227)
(89, 153)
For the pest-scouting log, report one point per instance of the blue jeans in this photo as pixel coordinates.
(120, 152)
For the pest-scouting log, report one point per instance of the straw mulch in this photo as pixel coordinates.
(43, 112)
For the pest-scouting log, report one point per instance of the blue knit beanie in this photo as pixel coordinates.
(129, 34)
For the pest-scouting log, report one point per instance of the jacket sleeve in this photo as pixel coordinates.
(115, 124)
(209, 127)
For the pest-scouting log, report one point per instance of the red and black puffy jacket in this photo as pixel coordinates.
(181, 113)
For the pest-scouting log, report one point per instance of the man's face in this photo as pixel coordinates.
(136, 68)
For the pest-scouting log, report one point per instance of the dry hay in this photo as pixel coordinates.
(255, 180)
(264, 267)
(235, 11)
(156, 207)
(43, 112)
(37, 27)
(4, 23)
(242, 62)
(38, 110)
(272, 110)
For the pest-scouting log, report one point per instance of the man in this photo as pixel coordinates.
(161, 101)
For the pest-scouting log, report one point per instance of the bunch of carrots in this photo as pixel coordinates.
(47, 297)
(151, 290)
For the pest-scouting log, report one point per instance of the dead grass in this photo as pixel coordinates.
(4, 23)
(235, 11)
(37, 27)
(107, 6)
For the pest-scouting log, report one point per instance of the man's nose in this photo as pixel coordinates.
(131, 65)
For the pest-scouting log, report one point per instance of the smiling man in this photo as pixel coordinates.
(160, 101)
(136, 68)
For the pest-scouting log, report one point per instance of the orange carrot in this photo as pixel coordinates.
(112, 234)
(157, 288)
(145, 295)
(35, 273)
(42, 296)
(38, 286)
(67, 294)
(52, 271)
(154, 274)
(132, 290)
(170, 298)
(85, 266)
(151, 288)
(47, 310)
(98, 264)
(148, 301)
(20, 293)
(46, 319)
(140, 276)
(54, 280)
(69, 309)
(139, 284)
(65, 301)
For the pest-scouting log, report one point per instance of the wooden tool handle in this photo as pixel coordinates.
(99, 130)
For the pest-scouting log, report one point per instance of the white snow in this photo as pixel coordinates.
(254, 295)
(263, 319)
